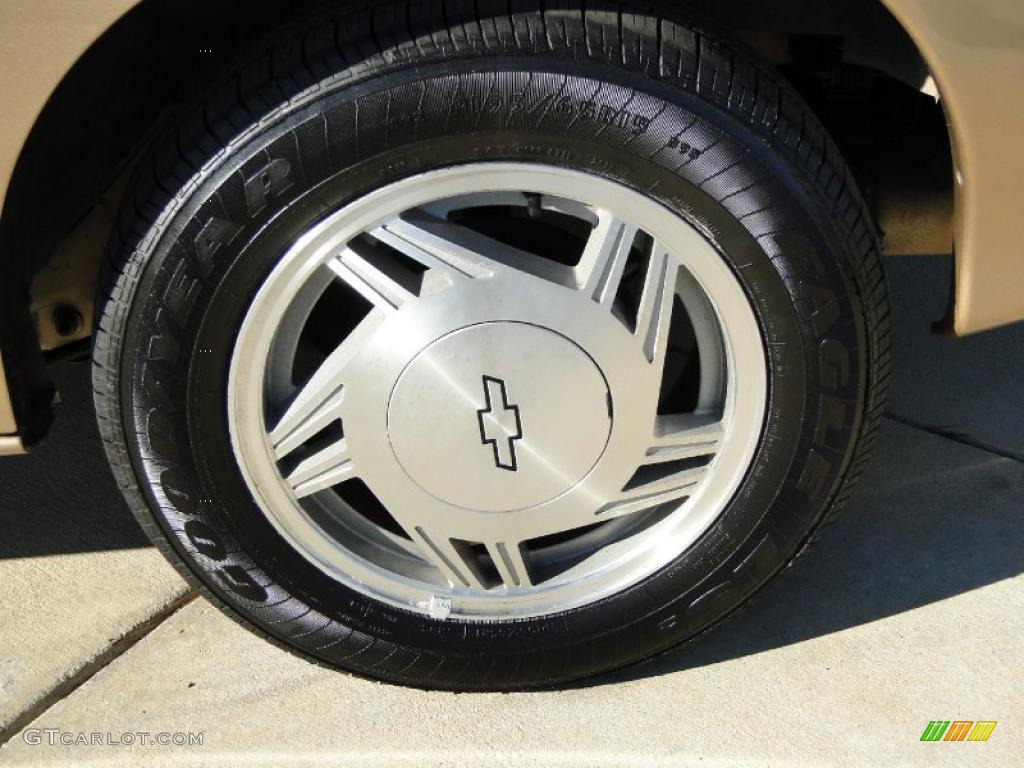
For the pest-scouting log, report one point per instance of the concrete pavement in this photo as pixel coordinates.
(910, 609)
(76, 572)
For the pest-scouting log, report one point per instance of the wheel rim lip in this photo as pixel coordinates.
(618, 570)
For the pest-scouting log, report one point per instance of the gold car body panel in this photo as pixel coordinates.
(974, 49)
(41, 40)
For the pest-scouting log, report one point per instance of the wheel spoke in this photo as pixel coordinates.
(643, 493)
(432, 241)
(460, 565)
(604, 259)
(685, 437)
(509, 560)
(328, 466)
(295, 429)
(672, 465)
(372, 276)
(655, 315)
(318, 402)
(456, 562)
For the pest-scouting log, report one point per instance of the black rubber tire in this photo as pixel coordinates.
(632, 93)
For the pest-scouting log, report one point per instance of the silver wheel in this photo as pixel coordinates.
(550, 387)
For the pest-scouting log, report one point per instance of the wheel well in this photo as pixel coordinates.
(67, 184)
(851, 60)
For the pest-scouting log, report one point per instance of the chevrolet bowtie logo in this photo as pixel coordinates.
(499, 424)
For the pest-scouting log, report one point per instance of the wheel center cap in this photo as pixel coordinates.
(499, 416)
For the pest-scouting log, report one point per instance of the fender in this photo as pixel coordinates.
(975, 51)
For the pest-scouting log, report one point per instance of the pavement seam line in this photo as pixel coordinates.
(956, 437)
(108, 655)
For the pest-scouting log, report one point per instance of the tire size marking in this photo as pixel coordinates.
(599, 113)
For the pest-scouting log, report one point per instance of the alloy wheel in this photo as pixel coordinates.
(497, 390)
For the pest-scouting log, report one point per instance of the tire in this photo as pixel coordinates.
(350, 101)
